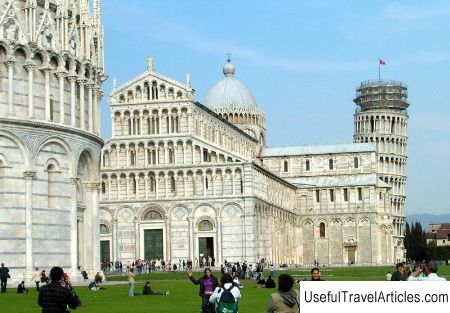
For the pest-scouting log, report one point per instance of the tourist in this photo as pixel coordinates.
(44, 278)
(430, 270)
(148, 291)
(4, 275)
(260, 281)
(286, 299)
(315, 274)
(54, 298)
(21, 288)
(226, 282)
(36, 278)
(93, 286)
(270, 283)
(388, 276)
(207, 285)
(400, 273)
(131, 276)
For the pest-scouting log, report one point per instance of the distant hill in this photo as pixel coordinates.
(426, 219)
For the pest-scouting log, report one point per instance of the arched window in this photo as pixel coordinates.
(132, 158)
(103, 188)
(53, 177)
(153, 215)
(330, 164)
(356, 162)
(322, 230)
(172, 184)
(205, 225)
(285, 166)
(104, 229)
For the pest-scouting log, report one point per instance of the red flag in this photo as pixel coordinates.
(381, 62)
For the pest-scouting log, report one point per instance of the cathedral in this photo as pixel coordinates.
(186, 180)
(178, 179)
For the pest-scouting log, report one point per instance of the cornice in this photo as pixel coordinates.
(51, 126)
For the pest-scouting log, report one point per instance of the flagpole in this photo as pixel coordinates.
(379, 71)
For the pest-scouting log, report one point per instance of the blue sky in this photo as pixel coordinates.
(302, 61)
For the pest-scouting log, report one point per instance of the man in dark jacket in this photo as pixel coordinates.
(4, 275)
(207, 285)
(54, 298)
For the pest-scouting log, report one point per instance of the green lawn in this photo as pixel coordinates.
(183, 294)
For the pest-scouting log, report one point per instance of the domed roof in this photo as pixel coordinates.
(230, 93)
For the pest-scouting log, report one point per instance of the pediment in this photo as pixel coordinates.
(10, 26)
(148, 78)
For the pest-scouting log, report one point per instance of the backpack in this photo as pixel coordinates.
(227, 303)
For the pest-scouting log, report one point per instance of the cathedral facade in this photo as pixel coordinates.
(183, 180)
(51, 71)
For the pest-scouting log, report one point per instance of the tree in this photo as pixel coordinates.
(415, 242)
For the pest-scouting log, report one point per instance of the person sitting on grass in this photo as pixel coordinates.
(21, 288)
(260, 281)
(93, 286)
(148, 291)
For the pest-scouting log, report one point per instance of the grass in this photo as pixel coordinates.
(183, 294)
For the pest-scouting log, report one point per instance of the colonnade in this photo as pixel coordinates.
(201, 182)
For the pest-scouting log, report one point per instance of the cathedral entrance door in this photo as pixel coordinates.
(351, 252)
(104, 250)
(205, 247)
(153, 244)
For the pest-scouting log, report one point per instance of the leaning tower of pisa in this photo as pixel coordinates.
(51, 72)
(381, 117)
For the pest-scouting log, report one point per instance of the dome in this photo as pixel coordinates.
(230, 93)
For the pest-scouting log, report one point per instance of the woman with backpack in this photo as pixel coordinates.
(226, 296)
(207, 285)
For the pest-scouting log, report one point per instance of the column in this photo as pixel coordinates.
(159, 123)
(28, 176)
(214, 184)
(114, 239)
(10, 66)
(73, 226)
(168, 239)
(204, 184)
(145, 156)
(61, 75)
(109, 188)
(146, 186)
(189, 118)
(169, 118)
(184, 184)
(95, 227)
(232, 183)
(30, 68)
(127, 155)
(165, 154)
(184, 153)
(95, 111)
(117, 156)
(219, 240)
(72, 80)
(191, 239)
(82, 83)
(157, 185)
(90, 107)
(140, 124)
(47, 93)
(166, 185)
(127, 179)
